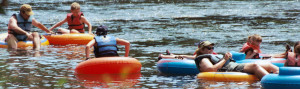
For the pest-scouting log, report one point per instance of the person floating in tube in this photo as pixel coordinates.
(20, 28)
(106, 45)
(252, 49)
(75, 20)
(206, 61)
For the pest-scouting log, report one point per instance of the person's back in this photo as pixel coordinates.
(106, 45)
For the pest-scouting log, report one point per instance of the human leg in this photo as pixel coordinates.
(11, 41)
(74, 31)
(36, 41)
(269, 67)
(258, 70)
(167, 56)
(63, 31)
(283, 55)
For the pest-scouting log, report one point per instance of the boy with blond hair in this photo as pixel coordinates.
(75, 20)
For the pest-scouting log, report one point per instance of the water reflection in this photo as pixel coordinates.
(109, 80)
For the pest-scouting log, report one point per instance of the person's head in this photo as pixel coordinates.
(255, 39)
(205, 47)
(297, 47)
(26, 11)
(101, 30)
(75, 8)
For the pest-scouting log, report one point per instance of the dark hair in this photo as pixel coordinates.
(297, 47)
(101, 30)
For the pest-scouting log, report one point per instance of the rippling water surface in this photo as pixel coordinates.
(152, 26)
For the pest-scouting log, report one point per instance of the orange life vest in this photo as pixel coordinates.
(74, 22)
(292, 60)
(247, 46)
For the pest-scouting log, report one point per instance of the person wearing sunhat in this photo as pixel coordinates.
(206, 61)
(169, 55)
(106, 45)
(19, 28)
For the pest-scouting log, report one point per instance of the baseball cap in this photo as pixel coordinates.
(204, 44)
(27, 8)
(101, 30)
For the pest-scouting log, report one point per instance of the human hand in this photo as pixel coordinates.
(179, 57)
(29, 36)
(255, 51)
(227, 56)
(91, 33)
(51, 32)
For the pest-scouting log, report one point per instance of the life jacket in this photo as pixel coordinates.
(25, 25)
(247, 47)
(292, 59)
(106, 46)
(74, 22)
(214, 59)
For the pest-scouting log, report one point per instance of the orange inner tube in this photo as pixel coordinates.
(109, 65)
(73, 38)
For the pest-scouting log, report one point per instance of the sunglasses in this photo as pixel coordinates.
(210, 48)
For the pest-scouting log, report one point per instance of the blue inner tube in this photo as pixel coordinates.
(240, 58)
(177, 67)
(288, 78)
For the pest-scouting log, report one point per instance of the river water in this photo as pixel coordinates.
(152, 26)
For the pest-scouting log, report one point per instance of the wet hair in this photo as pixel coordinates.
(75, 6)
(297, 47)
(254, 37)
(101, 30)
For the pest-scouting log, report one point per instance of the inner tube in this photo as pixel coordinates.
(21, 44)
(109, 65)
(240, 58)
(227, 76)
(288, 78)
(73, 38)
(177, 67)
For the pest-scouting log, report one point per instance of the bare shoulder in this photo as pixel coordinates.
(82, 17)
(13, 17)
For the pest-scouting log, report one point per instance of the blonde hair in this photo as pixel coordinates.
(75, 6)
(254, 37)
(198, 52)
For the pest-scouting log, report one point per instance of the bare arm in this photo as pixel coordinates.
(88, 46)
(207, 66)
(127, 45)
(40, 26)
(88, 23)
(58, 24)
(12, 24)
(187, 56)
(250, 54)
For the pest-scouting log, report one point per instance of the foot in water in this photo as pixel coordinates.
(168, 52)
(159, 57)
(288, 48)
